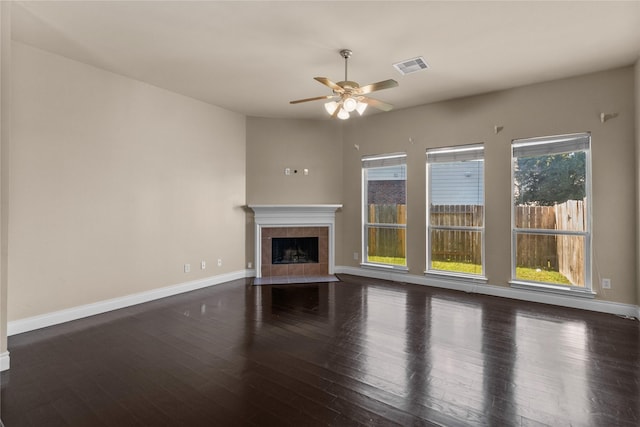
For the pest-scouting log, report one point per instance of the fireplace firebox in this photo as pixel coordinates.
(294, 250)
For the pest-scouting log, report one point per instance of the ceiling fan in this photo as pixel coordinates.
(350, 94)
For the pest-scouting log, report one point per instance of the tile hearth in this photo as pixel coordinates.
(286, 280)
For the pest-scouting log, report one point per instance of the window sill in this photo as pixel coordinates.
(384, 267)
(559, 290)
(456, 276)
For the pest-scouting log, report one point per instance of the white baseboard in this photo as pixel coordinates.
(49, 319)
(499, 291)
(4, 361)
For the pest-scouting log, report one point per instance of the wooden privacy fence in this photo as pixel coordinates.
(534, 250)
(558, 253)
(383, 241)
(564, 254)
(456, 245)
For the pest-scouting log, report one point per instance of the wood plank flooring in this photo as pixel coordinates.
(360, 352)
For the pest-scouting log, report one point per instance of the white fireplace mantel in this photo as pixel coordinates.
(294, 216)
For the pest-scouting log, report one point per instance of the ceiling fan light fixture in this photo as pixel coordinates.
(331, 107)
(349, 104)
(350, 95)
(361, 107)
(343, 114)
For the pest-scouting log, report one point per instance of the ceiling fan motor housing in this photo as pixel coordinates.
(348, 86)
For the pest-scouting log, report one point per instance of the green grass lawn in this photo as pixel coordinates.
(388, 260)
(458, 267)
(522, 273)
(539, 275)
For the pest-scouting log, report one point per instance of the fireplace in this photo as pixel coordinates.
(305, 231)
(294, 250)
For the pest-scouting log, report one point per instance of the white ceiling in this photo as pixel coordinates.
(254, 57)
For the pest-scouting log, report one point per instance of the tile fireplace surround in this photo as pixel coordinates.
(294, 221)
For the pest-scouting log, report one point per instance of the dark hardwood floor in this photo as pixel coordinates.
(358, 352)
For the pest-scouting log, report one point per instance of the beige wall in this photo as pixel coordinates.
(115, 184)
(276, 144)
(637, 157)
(5, 134)
(558, 107)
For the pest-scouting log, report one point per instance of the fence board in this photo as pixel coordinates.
(571, 216)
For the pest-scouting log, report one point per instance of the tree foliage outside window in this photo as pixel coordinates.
(551, 179)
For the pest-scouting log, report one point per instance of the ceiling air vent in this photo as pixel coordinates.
(411, 65)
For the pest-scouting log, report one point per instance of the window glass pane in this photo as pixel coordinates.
(385, 209)
(551, 258)
(456, 250)
(386, 245)
(456, 209)
(386, 195)
(550, 195)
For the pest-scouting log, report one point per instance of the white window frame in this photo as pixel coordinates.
(372, 162)
(549, 145)
(452, 154)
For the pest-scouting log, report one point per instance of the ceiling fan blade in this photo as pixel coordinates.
(377, 104)
(325, 81)
(315, 98)
(335, 113)
(385, 84)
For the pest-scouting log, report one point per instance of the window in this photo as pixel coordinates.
(384, 211)
(455, 210)
(551, 221)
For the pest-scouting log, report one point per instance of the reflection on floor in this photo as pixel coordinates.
(284, 280)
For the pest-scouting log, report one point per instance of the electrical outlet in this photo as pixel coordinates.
(219, 262)
(187, 268)
(606, 283)
(203, 265)
(287, 171)
(249, 264)
(355, 256)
